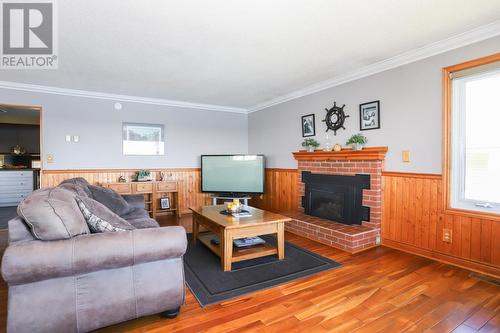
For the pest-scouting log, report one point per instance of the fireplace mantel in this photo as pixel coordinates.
(346, 154)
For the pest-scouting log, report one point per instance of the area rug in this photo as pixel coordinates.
(209, 284)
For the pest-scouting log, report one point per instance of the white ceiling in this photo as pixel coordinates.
(239, 53)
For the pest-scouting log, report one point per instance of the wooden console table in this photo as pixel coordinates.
(153, 192)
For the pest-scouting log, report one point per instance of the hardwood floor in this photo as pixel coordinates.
(380, 290)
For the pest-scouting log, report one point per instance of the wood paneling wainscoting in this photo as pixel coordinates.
(281, 185)
(189, 181)
(413, 220)
(413, 216)
(281, 192)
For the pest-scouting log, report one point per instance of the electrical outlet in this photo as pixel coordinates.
(50, 158)
(67, 138)
(76, 138)
(447, 235)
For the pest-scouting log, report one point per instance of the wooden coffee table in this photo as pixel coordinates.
(228, 228)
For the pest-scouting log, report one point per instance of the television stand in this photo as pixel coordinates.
(225, 198)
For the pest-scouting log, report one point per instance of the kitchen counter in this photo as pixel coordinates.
(24, 169)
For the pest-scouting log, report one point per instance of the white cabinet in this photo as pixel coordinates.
(14, 187)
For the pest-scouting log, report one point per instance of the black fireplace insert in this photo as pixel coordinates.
(337, 198)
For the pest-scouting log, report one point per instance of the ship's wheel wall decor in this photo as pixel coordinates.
(335, 118)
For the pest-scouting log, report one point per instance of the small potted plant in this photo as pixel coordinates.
(310, 144)
(357, 141)
(143, 175)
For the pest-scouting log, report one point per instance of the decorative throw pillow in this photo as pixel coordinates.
(99, 218)
(110, 199)
(52, 214)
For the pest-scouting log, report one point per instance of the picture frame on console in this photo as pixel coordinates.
(165, 203)
(308, 125)
(369, 116)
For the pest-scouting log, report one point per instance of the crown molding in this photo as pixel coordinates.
(451, 43)
(116, 97)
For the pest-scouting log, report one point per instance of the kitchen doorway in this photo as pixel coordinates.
(20, 156)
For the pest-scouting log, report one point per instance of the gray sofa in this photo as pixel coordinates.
(91, 280)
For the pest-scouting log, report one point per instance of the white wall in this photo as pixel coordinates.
(188, 132)
(411, 110)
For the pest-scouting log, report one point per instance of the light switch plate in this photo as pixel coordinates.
(406, 156)
(67, 138)
(50, 158)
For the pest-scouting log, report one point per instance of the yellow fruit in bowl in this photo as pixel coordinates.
(233, 207)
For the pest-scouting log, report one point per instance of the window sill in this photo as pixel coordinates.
(472, 213)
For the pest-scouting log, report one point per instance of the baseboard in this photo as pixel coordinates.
(445, 258)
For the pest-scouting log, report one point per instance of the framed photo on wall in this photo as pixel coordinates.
(308, 125)
(165, 203)
(369, 116)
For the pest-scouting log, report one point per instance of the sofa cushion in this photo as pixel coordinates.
(80, 186)
(99, 218)
(144, 222)
(134, 200)
(110, 199)
(73, 188)
(140, 219)
(136, 213)
(52, 214)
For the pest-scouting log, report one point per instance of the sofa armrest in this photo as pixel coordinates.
(19, 231)
(31, 261)
(134, 200)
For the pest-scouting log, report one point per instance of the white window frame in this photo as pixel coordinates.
(161, 141)
(458, 139)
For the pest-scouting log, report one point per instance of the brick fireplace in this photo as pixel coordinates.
(348, 237)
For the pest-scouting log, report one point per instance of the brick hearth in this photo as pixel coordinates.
(351, 238)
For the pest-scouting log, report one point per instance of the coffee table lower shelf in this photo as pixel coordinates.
(239, 254)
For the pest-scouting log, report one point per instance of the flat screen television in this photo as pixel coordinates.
(232, 174)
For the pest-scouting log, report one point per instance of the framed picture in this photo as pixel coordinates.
(369, 116)
(165, 203)
(308, 125)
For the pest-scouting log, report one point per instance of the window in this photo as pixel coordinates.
(474, 179)
(143, 139)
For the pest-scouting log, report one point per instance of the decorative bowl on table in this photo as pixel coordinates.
(233, 207)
